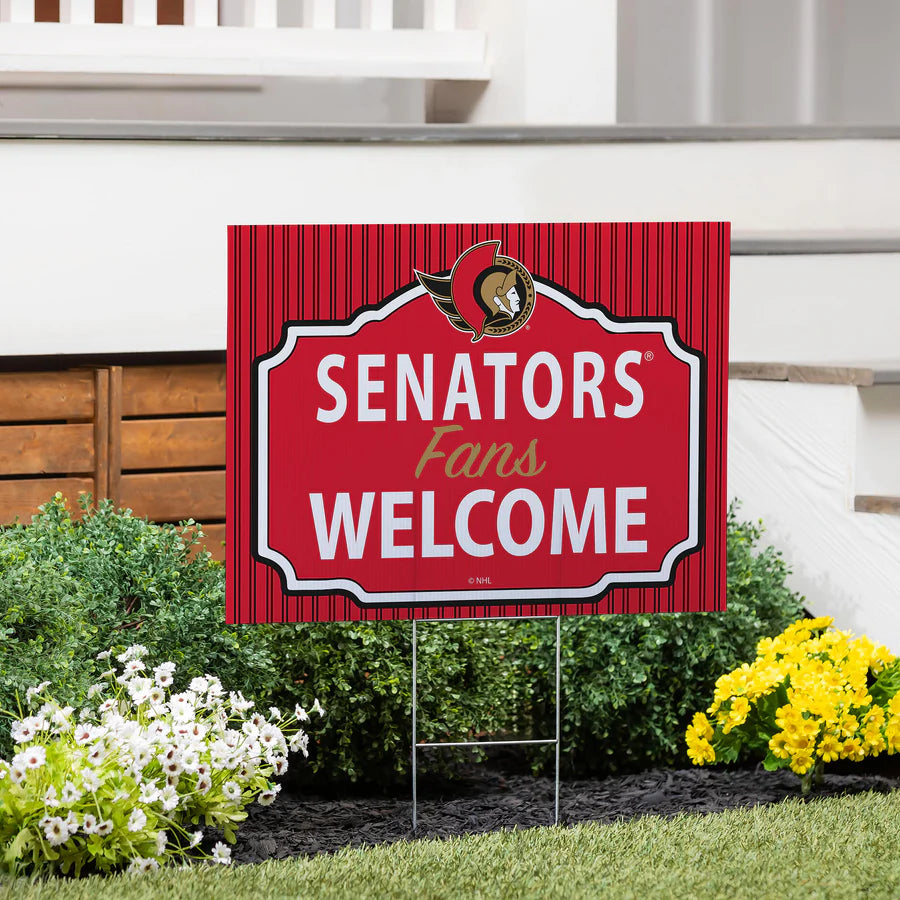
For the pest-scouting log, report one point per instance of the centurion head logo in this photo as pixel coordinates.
(484, 294)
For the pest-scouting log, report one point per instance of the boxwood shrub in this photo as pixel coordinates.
(71, 587)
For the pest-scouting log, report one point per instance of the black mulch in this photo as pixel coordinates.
(298, 825)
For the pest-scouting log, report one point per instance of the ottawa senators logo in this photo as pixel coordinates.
(485, 294)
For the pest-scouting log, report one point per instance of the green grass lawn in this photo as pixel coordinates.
(837, 847)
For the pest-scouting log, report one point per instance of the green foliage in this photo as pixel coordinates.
(632, 682)
(70, 588)
(361, 672)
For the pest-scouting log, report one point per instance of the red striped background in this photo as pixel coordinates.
(295, 273)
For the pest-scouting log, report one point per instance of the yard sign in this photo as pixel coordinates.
(448, 421)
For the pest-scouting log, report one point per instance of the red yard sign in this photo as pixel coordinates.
(468, 420)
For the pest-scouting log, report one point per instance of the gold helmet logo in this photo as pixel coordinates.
(485, 294)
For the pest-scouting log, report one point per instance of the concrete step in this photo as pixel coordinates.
(813, 452)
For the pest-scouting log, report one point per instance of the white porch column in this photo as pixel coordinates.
(551, 63)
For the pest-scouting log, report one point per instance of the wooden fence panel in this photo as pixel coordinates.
(36, 449)
(173, 443)
(173, 390)
(151, 438)
(46, 396)
(20, 498)
(174, 496)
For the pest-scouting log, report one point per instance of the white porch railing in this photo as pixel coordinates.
(260, 46)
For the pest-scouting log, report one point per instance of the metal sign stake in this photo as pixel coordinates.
(416, 746)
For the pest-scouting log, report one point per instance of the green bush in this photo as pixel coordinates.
(70, 588)
(361, 672)
(631, 683)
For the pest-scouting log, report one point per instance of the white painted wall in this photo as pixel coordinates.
(121, 245)
(877, 466)
(791, 450)
(815, 309)
(551, 64)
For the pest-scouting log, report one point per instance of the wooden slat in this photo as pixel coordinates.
(758, 371)
(115, 433)
(859, 377)
(173, 390)
(213, 540)
(173, 443)
(20, 499)
(174, 496)
(873, 503)
(36, 396)
(35, 449)
(101, 434)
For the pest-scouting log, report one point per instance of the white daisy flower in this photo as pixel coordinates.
(231, 790)
(51, 798)
(196, 837)
(16, 774)
(96, 754)
(104, 828)
(89, 824)
(142, 866)
(204, 783)
(62, 717)
(267, 797)
(169, 797)
(161, 841)
(238, 703)
(149, 793)
(25, 730)
(300, 741)
(200, 685)
(221, 854)
(95, 689)
(318, 708)
(137, 820)
(34, 691)
(31, 757)
(157, 697)
(301, 713)
(72, 822)
(279, 765)
(104, 654)
(70, 794)
(84, 734)
(91, 781)
(56, 831)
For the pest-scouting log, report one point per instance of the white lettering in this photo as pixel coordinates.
(462, 390)
(332, 388)
(341, 520)
(629, 357)
(499, 362)
(422, 391)
(504, 516)
(625, 518)
(367, 387)
(391, 524)
(581, 385)
(564, 515)
(542, 358)
(463, 537)
(429, 548)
